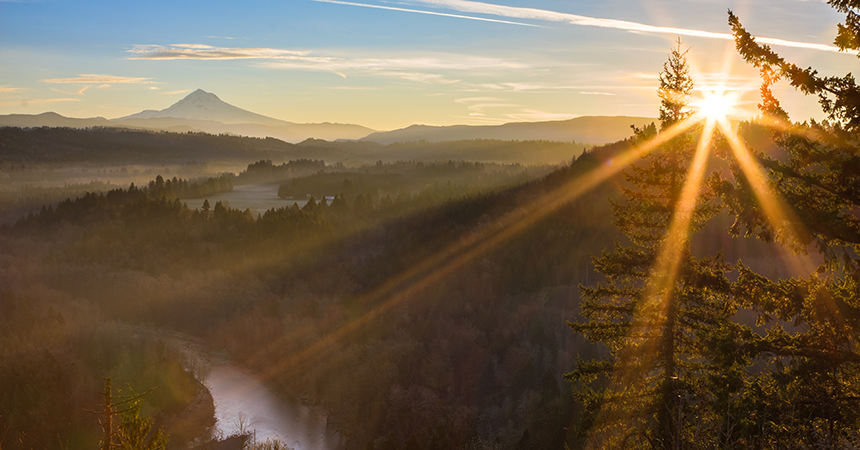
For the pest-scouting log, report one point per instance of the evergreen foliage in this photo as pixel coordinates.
(658, 386)
(808, 393)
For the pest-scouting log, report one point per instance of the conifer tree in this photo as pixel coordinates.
(808, 394)
(652, 386)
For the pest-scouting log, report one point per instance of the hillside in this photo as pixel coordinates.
(133, 146)
(588, 129)
(199, 111)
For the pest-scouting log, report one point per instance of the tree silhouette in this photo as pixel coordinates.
(652, 387)
(811, 384)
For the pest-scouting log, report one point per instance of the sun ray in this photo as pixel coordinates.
(786, 224)
(642, 344)
(399, 288)
(787, 227)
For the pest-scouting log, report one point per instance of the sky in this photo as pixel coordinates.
(388, 64)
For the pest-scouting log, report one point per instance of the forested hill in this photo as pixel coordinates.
(120, 146)
(123, 146)
(360, 306)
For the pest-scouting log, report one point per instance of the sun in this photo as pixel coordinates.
(717, 105)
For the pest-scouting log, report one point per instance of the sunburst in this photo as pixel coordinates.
(717, 105)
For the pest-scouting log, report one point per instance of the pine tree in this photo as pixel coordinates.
(656, 330)
(808, 395)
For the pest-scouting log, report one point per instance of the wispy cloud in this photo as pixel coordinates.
(37, 101)
(515, 12)
(532, 115)
(200, 51)
(440, 69)
(421, 77)
(5, 88)
(596, 93)
(100, 79)
(432, 13)
(724, 82)
(181, 91)
(545, 87)
(468, 100)
(427, 68)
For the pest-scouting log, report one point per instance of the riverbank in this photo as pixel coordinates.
(244, 405)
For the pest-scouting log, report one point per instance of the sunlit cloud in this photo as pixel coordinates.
(420, 77)
(83, 89)
(181, 91)
(408, 68)
(575, 19)
(432, 13)
(201, 51)
(468, 100)
(100, 79)
(596, 93)
(440, 69)
(6, 89)
(546, 87)
(37, 101)
(531, 115)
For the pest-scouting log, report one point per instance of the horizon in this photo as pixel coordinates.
(389, 65)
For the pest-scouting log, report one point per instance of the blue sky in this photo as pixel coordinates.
(389, 64)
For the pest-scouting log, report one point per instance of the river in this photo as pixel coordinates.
(244, 404)
(257, 197)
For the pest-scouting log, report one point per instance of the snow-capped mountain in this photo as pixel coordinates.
(202, 105)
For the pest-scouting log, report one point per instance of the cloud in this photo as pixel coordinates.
(100, 79)
(596, 93)
(421, 77)
(432, 13)
(468, 100)
(532, 115)
(38, 101)
(724, 82)
(575, 19)
(181, 91)
(438, 69)
(197, 46)
(421, 68)
(200, 51)
(6, 89)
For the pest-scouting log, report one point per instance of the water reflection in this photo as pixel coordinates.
(256, 197)
(243, 403)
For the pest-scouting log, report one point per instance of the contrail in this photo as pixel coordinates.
(432, 13)
(515, 12)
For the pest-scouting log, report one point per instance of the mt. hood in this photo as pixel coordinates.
(202, 105)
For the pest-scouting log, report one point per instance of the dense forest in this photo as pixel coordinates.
(240, 281)
(117, 146)
(694, 286)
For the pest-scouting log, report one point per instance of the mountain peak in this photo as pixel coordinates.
(202, 105)
(202, 95)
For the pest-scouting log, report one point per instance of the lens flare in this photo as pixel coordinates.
(717, 105)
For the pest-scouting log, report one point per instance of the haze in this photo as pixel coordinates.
(387, 65)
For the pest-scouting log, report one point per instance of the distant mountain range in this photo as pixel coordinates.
(586, 130)
(202, 111)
